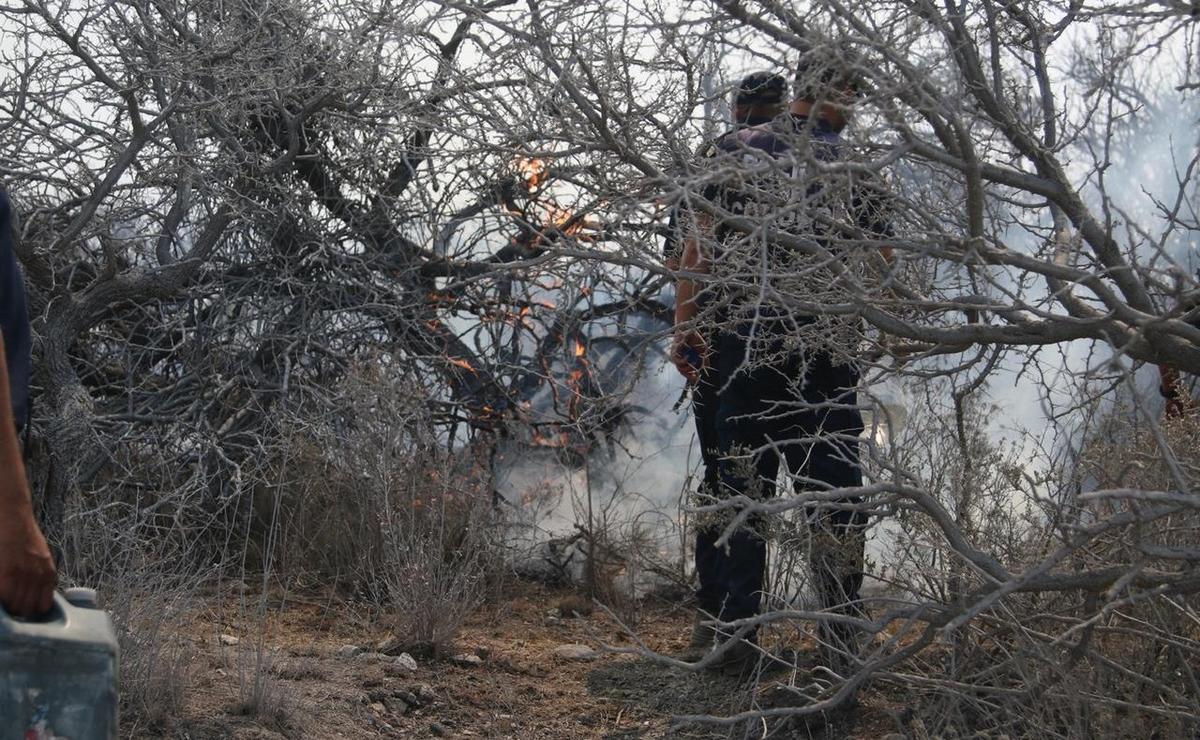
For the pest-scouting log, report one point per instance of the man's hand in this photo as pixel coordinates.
(27, 574)
(688, 351)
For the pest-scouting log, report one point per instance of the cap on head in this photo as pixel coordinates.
(761, 89)
(826, 69)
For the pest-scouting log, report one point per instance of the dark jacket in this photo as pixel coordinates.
(14, 316)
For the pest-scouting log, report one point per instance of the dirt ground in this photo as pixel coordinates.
(513, 685)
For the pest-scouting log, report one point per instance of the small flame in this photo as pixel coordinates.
(581, 227)
(461, 363)
(562, 439)
(534, 170)
(560, 217)
(580, 350)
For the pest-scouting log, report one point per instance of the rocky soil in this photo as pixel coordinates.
(532, 667)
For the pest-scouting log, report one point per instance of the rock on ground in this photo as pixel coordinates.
(575, 651)
(406, 662)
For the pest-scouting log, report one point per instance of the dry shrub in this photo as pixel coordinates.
(439, 555)
(150, 612)
(1145, 650)
(1120, 660)
(1126, 454)
(604, 566)
(146, 553)
(628, 563)
(261, 693)
(369, 496)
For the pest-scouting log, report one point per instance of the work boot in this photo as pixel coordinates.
(739, 659)
(702, 639)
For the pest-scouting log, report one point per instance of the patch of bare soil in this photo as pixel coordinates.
(295, 677)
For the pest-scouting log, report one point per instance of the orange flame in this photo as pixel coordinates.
(562, 439)
(580, 350)
(560, 217)
(461, 363)
(534, 170)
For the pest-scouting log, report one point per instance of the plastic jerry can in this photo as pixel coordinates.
(58, 673)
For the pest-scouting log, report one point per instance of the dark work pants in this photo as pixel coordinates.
(705, 405)
(791, 402)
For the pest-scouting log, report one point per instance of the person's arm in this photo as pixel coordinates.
(671, 241)
(694, 260)
(27, 574)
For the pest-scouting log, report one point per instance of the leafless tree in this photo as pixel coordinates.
(229, 206)
(1043, 202)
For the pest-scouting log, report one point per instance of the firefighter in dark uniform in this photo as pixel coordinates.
(780, 398)
(760, 98)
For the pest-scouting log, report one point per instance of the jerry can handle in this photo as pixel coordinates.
(56, 613)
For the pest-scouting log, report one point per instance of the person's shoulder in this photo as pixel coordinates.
(771, 137)
(763, 137)
(716, 146)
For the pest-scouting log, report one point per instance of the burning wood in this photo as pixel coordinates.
(571, 224)
(534, 171)
(545, 219)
